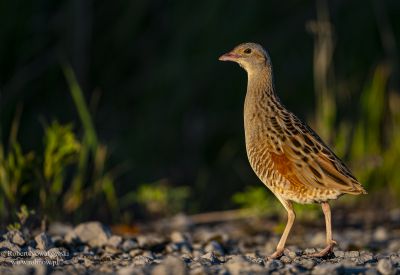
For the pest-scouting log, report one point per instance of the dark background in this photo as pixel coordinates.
(161, 102)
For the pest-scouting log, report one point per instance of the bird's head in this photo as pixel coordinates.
(250, 56)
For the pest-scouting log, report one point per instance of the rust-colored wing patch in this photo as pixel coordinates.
(285, 167)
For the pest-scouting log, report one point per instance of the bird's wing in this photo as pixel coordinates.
(303, 158)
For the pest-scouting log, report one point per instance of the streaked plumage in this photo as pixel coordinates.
(286, 154)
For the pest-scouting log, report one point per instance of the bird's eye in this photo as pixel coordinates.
(247, 51)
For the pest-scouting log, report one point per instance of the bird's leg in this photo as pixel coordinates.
(291, 216)
(330, 243)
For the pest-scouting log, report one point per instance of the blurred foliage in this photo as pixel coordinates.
(255, 200)
(22, 215)
(150, 101)
(159, 199)
(15, 170)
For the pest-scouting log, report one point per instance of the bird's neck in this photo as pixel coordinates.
(260, 106)
(260, 96)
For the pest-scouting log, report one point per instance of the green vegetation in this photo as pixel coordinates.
(66, 177)
(158, 198)
(146, 122)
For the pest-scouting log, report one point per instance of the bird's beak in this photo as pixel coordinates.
(229, 57)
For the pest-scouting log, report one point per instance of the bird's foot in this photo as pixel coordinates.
(325, 251)
(278, 253)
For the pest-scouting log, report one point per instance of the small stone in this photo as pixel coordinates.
(306, 263)
(13, 248)
(42, 269)
(132, 270)
(211, 257)
(215, 247)
(177, 237)
(237, 259)
(395, 259)
(59, 229)
(71, 237)
(93, 233)
(43, 241)
(274, 265)
(172, 247)
(200, 270)
(58, 253)
(87, 262)
(243, 268)
(19, 269)
(291, 254)
(385, 267)
(339, 253)
(114, 241)
(394, 245)
(309, 251)
(185, 248)
(327, 268)
(180, 221)
(16, 237)
(170, 266)
(148, 241)
(352, 254)
(111, 250)
(371, 271)
(141, 260)
(207, 236)
(148, 254)
(135, 252)
(128, 245)
(380, 234)
(366, 257)
(285, 259)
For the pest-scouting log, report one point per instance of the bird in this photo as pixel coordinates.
(284, 152)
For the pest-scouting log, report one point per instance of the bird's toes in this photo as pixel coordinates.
(324, 252)
(275, 255)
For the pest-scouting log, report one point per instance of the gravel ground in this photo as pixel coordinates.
(221, 248)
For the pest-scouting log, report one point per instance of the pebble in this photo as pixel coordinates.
(43, 241)
(211, 257)
(135, 252)
(16, 237)
(371, 271)
(285, 259)
(352, 254)
(93, 233)
(339, 253)
(366, 257)
(274, 264)
(59, 229)
(327, 268)
(214, 247)
(380, 234)
(306, 263)
(309, 251)
(114, 241)
(58, 253)
(170, 266)
(128, 245)
(149, 241)
(385, 267)
(141, 260)
(178, 237)
(7, 245)
(291, 254)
